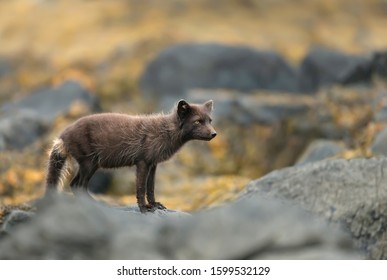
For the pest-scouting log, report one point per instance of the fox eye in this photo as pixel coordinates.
(197, 122)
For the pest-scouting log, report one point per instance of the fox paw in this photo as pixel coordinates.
(146, 208)
(158, 205)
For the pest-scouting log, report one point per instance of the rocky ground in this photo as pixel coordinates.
(297, 168)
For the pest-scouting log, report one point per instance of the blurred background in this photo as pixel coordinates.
(294, 81)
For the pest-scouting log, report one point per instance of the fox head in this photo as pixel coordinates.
(195, 120)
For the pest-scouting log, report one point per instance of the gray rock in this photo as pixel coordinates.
(5, 67)
(180, 68)
(51, 102)
(255, 228)
(21, 128)
(381, 115)
(25, 120)
(380, 106)
(379, 63)
(319, 150)
(379, 146)
(323, 67)
(270, 109)
(264, 108)
(14, 219)
(364, 69)
(350, 192)
(79, 228)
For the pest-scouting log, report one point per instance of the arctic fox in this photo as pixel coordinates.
(111, 140)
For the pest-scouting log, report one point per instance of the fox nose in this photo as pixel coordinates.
(213, 134)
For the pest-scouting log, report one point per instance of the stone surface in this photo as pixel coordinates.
(180, 68)
(79, 228)
(380, 105)
(21, 128)
(51, 102)
(5, 67)
(15, 218)
(320, 149)
(379, 146)
(323, 67)
(350, 192)
(25, 120)
(379, 63)
(255, 228)
(262, 108)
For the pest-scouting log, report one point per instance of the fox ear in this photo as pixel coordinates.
(183, 109)
(209, 105)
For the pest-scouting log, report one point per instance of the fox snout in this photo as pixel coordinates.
(211, 134)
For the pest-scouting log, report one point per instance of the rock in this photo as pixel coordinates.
(379, 146)
(262, 107)
(350, 192)
(5, 67)
(323, 67)
(19, 129)
(380, 106)
(255, 228)
(27, 119)
(271, 109)
(8, 82)
(75, 228)
(52, 102)
(180, 68)
(366, 68)
(319, 150)
(14, 219)
(362, 68)
(79, 228)
(379, 63)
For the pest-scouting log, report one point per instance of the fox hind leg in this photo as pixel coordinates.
(85, 172)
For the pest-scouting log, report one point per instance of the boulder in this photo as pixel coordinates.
(255, 228)
(21, 128)
(379, 145)
(27, 119)
(8, 82)
(78, 228)
(367, 67)
(258, 108)
(14, 219)
(380, 106)
(323, 67)
(320, 149)
(352, 193)
(180, 68)
(5, 67)
(379, 63)
(52, 102)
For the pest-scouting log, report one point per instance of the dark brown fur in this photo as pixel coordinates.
(113, 140)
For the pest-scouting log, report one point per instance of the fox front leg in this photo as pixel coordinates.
(142, 172)
(150, 189)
